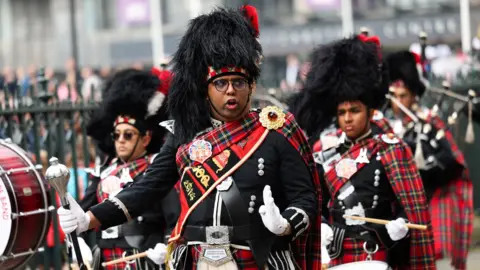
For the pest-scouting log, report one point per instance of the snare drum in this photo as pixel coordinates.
(24, 207)
(363, 265)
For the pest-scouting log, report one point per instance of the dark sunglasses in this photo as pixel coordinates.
(238, 84)
(128, 135)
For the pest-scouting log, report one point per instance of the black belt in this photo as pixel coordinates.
(236, 233)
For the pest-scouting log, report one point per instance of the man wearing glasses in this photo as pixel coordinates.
(126, 128)
(249, 189)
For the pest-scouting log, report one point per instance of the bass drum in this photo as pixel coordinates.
(364, 265)
(24, 207)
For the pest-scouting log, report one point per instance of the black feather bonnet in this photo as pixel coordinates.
(219, 43)
(404, 71)
(345, 70)
(134, 97)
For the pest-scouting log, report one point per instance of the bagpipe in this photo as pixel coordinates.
(458, 94)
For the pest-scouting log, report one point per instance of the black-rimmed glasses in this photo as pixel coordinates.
(238, 84)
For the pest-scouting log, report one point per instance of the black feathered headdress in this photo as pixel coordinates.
(404, 70)
(345, 70)
(222, 42)
(133, 97)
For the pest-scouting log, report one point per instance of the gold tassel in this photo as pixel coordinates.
(419, 158)
(170, 248)
(470, 136)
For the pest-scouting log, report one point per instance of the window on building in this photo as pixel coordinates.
(272, 11)
(127, 13)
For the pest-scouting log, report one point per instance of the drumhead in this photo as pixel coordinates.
(364, 265)
(5, 217)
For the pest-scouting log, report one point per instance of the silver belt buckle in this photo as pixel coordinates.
(217, 235)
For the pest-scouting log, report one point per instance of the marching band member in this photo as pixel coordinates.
(441, 164)
(249, 189)
(364, 174)
(126, 128)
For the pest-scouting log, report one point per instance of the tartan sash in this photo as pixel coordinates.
(198, 180)
(238, 133)
(335, 182)
(404, 178)
(220, 138)
(135, 168)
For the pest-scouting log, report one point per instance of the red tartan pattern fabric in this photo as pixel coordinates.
(243, 258)
(452, 220)
(111, 254)
(308, 245)
(407, 185)
(452, 209)
(383, 124)
(353, 252)
(135, 167)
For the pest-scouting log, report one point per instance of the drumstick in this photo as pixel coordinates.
(383, 222)
(125, 259)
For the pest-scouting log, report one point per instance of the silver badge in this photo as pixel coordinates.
(362, 156)
(216, 255)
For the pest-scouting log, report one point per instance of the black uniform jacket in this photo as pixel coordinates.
(276, 163)
(144, 232)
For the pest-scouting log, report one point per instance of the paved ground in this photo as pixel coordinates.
(473, 262)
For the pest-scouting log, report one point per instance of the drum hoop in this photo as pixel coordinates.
(15, 202)
(15, 149)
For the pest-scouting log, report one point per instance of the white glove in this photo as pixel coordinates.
(73, 218)
(325, 256)
(327, 235)
(157, 254)
(271, 217)
(85, 250)
(396, 229)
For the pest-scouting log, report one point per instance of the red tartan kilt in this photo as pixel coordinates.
(243, 258)
(110, 254)
(452, 223)
(353, 252)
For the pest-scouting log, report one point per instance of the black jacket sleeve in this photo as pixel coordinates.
(298, 187)
(90, 197)
(131, 202)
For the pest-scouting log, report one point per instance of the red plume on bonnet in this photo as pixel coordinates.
(157, 100)
(418, 61)
(372, 39)
(251, 14)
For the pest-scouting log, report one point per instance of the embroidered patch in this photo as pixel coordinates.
(346, 168)
(221, 160)
(200, 150)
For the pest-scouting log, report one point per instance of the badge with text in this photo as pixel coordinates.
(346, 168)
(200, 150)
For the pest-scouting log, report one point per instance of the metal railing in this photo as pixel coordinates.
(44, 126)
